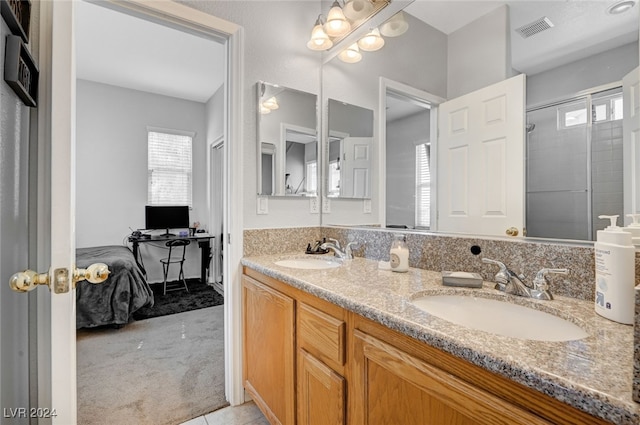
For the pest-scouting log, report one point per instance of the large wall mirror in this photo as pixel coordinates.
(574, 161)
(287, 141)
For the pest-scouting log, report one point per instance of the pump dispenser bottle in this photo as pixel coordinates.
(615, 273)
(634, 229)
(399, 254)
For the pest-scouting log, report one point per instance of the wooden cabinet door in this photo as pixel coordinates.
(390, 386)
(321, 393)
(269, 350)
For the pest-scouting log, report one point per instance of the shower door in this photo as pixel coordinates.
(574, 166)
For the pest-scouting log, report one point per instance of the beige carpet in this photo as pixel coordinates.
(157, 371)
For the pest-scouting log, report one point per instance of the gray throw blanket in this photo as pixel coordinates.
(113, 301)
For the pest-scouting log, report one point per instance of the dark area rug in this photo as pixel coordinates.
(200, 295)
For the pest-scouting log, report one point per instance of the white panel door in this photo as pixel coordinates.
(481, 160)
(356, 167)
(631, 141)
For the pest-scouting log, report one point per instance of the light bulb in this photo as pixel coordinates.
(271, 103)
(372, 41)
(357, 9)
(395, 26)
(337, 25)
(319, 39)
(351, 54)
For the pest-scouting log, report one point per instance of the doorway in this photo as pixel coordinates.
(408, 126)
(115, 111)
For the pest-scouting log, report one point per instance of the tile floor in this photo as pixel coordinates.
(245, 414)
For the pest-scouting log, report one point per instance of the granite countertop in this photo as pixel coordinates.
(593, 374)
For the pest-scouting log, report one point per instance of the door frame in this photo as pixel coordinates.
(62, 389)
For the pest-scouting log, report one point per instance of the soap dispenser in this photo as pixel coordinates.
(634, 229)
(615, 273)
(399, 254)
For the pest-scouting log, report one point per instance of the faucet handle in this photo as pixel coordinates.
(502, 277)
(540, 281)
(348, 250)
(335, 242)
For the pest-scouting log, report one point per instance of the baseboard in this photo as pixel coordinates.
(218, 287)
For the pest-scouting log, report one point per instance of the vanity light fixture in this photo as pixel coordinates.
(395, 26)
(337, 24)
(620, 7)
(356, 10)
(271, 103)
(319, 38)
(372, 41)
(351, 54)
(264, 110)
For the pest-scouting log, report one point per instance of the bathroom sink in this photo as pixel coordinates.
(500, 317)
(310, 263)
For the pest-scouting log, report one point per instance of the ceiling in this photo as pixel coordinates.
(581, 28)
(122, 50)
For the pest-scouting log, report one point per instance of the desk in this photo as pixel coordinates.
(204, 242)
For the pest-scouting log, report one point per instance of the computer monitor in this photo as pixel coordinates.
(166, 217)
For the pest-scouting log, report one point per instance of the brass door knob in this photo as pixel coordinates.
(95, 273)
(512, 231)
(28, 280)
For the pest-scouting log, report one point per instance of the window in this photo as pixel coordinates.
(311, 186)
(169, 173)
(423, 186)
(334, 178)
(607, 108)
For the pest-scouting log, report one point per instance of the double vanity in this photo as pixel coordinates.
(330, 341)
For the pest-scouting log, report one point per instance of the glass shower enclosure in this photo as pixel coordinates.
(574, 165)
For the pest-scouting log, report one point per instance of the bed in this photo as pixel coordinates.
(113, 301)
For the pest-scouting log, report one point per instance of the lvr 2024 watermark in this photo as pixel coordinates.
(33, 412)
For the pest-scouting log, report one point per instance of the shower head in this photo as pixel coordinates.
(530, 127)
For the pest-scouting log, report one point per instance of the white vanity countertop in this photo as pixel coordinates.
(593, 374)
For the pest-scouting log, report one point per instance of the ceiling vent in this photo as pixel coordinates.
(534, 27)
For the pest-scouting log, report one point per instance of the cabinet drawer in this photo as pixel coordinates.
(321, 334)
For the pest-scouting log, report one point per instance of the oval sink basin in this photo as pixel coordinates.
(500, 318)
(309, 263)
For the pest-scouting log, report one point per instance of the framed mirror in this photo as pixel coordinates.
(287, 141)
(350, 146)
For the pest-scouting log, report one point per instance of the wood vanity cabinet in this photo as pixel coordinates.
(351, 370)
(269, 349)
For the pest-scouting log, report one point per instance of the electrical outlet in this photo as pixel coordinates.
(313, 205)
(326, 205)
(262, 205)
(366, 206)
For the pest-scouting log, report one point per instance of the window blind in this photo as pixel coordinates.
(169, 168)
(423, 186)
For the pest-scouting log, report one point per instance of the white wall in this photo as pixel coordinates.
(596, 70)
(112, 164)
(214, 112)
(275, 37)
(403, 136)
(14, 233)
(479, 54)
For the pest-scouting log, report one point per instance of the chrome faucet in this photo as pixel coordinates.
(346, 254)
(509, 282)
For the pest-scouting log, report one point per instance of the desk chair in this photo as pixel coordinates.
(175, 257)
